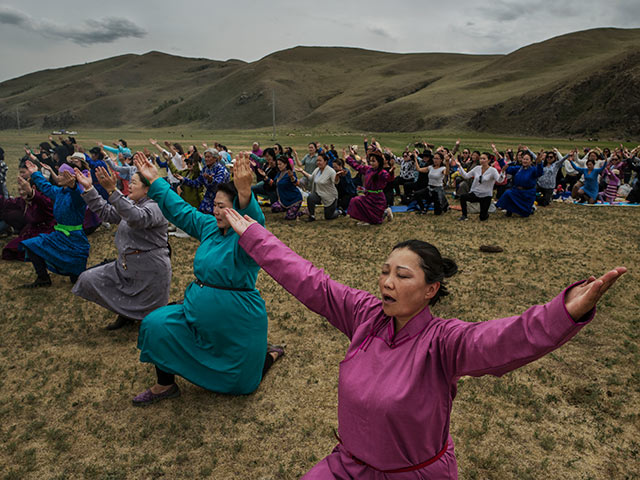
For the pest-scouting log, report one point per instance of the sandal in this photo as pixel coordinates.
(277, 349)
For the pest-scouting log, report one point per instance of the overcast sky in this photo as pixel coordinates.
(38, 34)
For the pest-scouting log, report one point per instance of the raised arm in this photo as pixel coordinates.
(344, 307)
(174, 208)
(356, 166)
(45, 187)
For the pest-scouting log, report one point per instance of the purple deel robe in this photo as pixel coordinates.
(369, 207)
(395, 389)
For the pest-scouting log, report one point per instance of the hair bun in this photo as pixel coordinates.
(449, 267)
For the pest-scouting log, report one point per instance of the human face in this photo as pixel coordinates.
(137, 189)
(312, 149)
(484, 160)
(24, 173)
(474, 156)
(221, 202)
(437, 161)
(281, 165)
(404, 289)
(526, 161)
(209, 159)
(465, 154)
(590, 164)
(374, 162)
(321, 163)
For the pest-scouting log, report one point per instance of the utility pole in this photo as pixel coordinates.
(273, 113)
(18, 117)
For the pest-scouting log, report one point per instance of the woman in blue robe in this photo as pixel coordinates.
(216, 338)
(588, 193)
(289, 195)
(65, 250)
(519, 198)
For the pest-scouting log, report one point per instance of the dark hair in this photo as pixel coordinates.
(98, 152)
(229, 189)
(195, 157)
(439, 154)
(1, 153)
(435, 267)
(285, 160)
(476, 151)
(45, 146)
(269, 151)
(143, 179)
(324, 156)
(124, 144)
(280, 147)
(380, 159)
(339, 161)
(178, 147)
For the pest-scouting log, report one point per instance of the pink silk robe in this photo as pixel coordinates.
(395, 389)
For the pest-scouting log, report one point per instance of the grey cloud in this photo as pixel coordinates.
(91, 32)
(381, 32)
(507, 11)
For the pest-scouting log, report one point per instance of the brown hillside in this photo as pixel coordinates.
(584, 82)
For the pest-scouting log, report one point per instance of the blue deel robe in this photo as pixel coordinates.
(65, 255)
(519, 199)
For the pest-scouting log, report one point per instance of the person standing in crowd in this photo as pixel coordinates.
(138, 281)
(438, 172)
(308, 163)
(217, 337)
(323, 189)
(65, 250)
(399, 377)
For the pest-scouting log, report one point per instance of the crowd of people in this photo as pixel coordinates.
(67, 192)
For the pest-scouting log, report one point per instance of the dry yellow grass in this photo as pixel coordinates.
(66, 384)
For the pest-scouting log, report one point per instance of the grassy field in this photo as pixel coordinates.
(66, 383)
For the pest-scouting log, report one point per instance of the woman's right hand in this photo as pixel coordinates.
(86, 182)
(147, 169)
(31, 167)
(237, 221)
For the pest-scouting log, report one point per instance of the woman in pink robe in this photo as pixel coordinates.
(398, 379)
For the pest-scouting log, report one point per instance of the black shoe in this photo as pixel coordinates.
(311, 218)
(120, 321)
(38, 282)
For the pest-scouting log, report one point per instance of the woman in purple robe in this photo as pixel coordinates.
(371, 207)
(398, 380)
(36, 212)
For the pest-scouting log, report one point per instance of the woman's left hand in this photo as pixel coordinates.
(242, 175)
(238, 222)
(107, 180)
(581, 299)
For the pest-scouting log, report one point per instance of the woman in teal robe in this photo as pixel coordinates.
(217, 338)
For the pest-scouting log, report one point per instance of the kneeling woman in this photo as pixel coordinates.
(371, 207)
(398, 380)
(519, 198)
(65, 250)
(138, 281)
(217, 338)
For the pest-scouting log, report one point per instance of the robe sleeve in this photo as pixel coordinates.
(499, 346)
(344, 307)
(142, 217)
(180, 213)
(44, 186)
(100, 207)
(357, 166)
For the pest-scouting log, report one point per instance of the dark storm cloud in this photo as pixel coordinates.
(105, 30)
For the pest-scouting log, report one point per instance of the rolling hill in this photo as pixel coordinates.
(583, 83)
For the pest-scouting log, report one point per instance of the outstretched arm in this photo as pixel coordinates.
(499, 346)
(344, 307)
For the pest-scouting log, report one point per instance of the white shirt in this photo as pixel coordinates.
(482, 182)
(436, 176)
